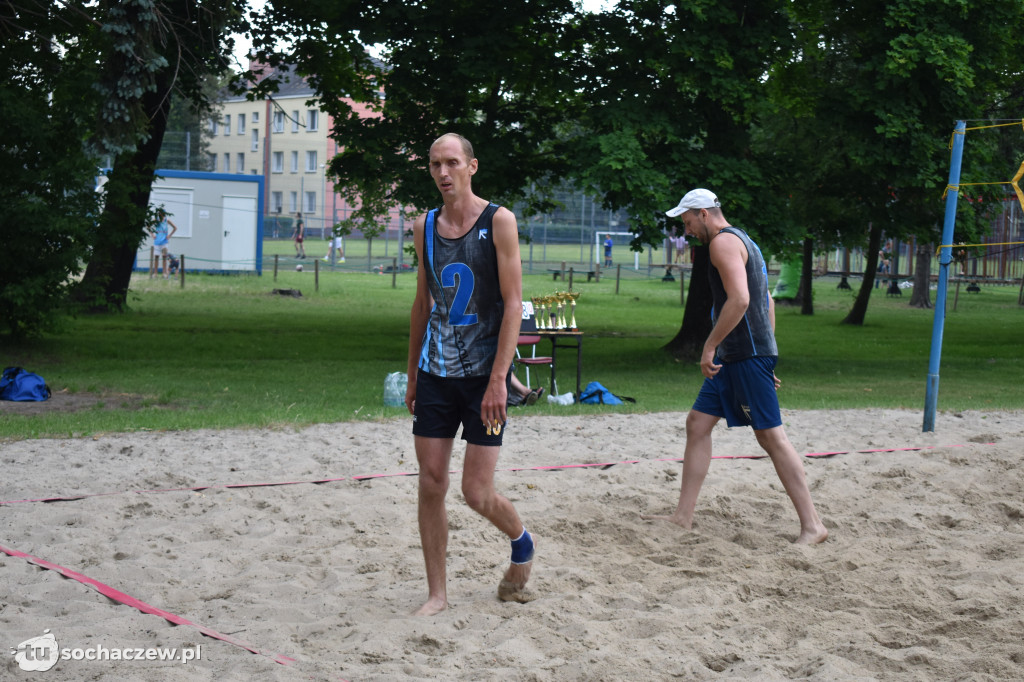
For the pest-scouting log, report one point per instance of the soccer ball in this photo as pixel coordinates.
(298, 268)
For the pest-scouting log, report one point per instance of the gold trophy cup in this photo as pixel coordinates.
(538, 311)
(556, 299)
(573, 295)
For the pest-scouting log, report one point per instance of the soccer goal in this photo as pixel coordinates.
(620, 244)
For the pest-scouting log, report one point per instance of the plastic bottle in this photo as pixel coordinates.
(394, 389)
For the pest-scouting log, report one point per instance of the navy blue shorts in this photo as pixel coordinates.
(744, 393)
(443, 403)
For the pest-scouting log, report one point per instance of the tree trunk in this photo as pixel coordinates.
(806, 294)
(922, 297)
(860, 305)
(104, 286)
(688, 344)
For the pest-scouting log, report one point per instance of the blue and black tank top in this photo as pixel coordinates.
(462, 333)
(753, 336)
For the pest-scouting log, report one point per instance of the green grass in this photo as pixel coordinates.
(224, 352)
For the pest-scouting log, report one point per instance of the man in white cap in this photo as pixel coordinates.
(738, 363)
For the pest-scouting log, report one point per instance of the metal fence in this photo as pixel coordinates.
(573, 235)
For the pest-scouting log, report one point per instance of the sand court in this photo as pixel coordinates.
(920, 580)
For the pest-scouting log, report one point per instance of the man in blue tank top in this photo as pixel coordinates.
(462, 339)
(738, 364)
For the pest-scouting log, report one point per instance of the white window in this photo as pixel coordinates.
(278, 163)
(295, 120)
(240, 162)
(276, 201)
(310, 202)
(312, 119)
(211, 161)
(278, 126)
(227, 124)
(295, 162)
(293, 202)
(311, 162)
(241, 124)
(255, 140)
(255, 118)
(213, 127)
(227, 162)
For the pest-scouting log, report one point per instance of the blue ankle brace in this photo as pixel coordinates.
(522, 549)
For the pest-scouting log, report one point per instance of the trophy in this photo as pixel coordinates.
(573, 295)
(552, 312)
(538, 313)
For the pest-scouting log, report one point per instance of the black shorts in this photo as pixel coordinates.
(444, 403)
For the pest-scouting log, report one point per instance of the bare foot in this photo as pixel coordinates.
(433, 607)
(812, 536)
(671, 519)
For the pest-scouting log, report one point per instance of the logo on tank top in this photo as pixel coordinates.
(482, 235)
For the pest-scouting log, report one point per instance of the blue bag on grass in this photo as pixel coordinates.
(596, 394)
(21, 385)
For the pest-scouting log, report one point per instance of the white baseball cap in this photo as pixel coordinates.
(695, 198)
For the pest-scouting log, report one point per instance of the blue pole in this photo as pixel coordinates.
(945, 257)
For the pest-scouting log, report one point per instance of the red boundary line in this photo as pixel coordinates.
(365, 477)
(127, 600)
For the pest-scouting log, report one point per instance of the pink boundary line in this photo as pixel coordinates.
(364, 477)
(127, 600)
(680, 459)
(70, 498)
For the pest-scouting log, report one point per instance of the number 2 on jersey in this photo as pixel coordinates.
(457, 315)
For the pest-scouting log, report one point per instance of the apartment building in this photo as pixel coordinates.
(285, 139)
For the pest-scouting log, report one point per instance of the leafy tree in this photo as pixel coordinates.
(677, 88)
(46, 170)
(85, 81)
(151, 51)
(875, 87)
(499, 74)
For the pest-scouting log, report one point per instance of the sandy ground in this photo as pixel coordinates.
(921, 578)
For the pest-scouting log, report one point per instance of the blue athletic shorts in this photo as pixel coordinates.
(744, 393)
(442, 404)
